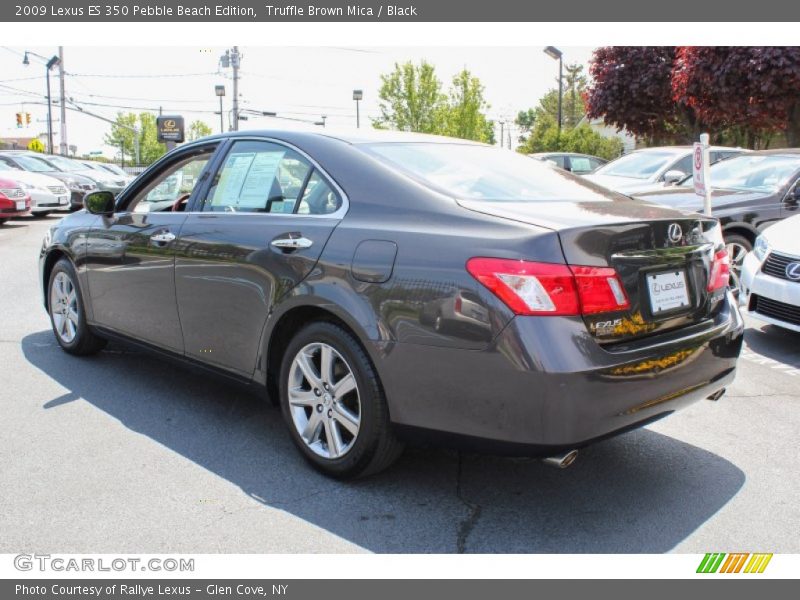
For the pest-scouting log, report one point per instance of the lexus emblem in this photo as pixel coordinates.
(674, 233)
(793, 271)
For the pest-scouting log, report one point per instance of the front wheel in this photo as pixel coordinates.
(67, 315)
(737, 247)
(334, 405)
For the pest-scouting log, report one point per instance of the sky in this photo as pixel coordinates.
(301, 83)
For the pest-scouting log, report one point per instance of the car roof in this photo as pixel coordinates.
(778, 152)
(681, 149)
(358, 136)
(564, 154)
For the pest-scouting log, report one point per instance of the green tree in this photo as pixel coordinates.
(411, 99)
(122, 136)
(535, 122)
(545, 138)
(465, 116)
(198, 129)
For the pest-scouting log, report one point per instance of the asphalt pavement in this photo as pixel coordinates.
(124, 452)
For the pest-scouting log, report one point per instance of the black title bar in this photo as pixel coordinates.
(399, 11)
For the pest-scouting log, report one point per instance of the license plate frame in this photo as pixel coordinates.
(668, 292)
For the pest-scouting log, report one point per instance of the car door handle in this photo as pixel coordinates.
(289, 243)
(164, 237)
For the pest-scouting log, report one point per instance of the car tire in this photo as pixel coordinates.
(357, 421)
(42, 215)
(737, 246)
(67, 315)
(2, 221)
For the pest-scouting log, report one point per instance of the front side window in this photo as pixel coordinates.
(172, 186)
(266, 177)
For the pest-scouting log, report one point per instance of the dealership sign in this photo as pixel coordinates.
(170, 129)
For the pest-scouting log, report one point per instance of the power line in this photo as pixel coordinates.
(144, 76)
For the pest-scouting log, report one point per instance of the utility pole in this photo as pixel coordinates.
(62, 142)
(235, 62)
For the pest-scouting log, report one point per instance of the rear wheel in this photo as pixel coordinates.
(737, 246)
(334, 405)
(67, 315)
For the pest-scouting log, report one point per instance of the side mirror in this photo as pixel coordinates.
(99, 203)
(673, 177)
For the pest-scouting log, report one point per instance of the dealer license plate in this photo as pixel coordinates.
(20, 204)
(668, 291)
(63, 199)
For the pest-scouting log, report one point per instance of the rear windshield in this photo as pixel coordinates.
(638, 165)
(484, 173)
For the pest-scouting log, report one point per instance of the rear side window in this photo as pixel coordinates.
(580, 164)
(267, 177)
(477, 172)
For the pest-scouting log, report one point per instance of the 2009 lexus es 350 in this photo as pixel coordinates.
(380, 285)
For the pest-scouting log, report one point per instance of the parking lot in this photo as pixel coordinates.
(124, 452)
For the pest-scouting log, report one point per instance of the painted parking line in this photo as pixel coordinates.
(758, 359)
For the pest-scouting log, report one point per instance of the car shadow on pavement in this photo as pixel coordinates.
(642, 492)
(777, 343)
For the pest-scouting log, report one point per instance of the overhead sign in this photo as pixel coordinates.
(698, 172)
(170, 129)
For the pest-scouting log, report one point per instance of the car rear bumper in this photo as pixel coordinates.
(545, 384)
(769, 299)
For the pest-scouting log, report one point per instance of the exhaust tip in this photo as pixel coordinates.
(717, 395)
(561, 461)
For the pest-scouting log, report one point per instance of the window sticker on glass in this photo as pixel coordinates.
(247, 181)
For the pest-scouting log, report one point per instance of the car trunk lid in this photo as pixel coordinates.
(662, 257)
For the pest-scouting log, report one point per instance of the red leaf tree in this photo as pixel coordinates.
(756, 88)
(632, 89)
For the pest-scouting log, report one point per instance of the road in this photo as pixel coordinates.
(124, 452)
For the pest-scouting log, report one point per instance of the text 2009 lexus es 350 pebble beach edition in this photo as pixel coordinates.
(381, 285)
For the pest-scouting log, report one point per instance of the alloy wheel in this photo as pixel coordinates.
(736, 253)
(64, 307)
(324, 400)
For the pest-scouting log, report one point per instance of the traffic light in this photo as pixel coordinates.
(27, 119)
(19, 120)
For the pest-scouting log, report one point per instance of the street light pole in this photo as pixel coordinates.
(555, 53)
(49, 63)
(235, 64)
(358, 95)
(219, 90)
(62, 138)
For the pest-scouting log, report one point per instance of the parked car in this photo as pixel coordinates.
(651, 169)
(14, 201)
(771, 276)
(750, 193)
(47, 194)
(119, 176)
(103, 180)
(580, 164)
(77, 185)
(601, 313)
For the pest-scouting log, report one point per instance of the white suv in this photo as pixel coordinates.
(770, 284)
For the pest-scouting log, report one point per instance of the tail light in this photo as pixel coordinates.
(532, 288)
(720, 271)
(458, 302)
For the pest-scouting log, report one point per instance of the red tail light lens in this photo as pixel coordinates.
(531, 288)
(600, 290)
(720, 272)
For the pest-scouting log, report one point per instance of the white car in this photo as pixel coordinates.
(47, 194)
(652, 169)
(770, 284)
